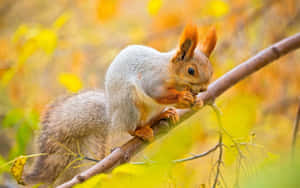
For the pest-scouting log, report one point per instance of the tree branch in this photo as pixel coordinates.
(125, 152)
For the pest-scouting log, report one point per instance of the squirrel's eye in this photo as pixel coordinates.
(191, 71)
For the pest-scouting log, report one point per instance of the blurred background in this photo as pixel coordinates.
(52, 48)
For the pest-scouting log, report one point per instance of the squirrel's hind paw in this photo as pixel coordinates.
(145, 133)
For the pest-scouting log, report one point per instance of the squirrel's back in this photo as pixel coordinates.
(71, 126)
(135, 67)
(137, 59)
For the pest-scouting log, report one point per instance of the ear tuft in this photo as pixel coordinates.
(187, 43)
(209, 42)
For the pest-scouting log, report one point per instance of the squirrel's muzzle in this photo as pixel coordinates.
(197, 89)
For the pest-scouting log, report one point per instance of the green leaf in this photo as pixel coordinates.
(12, 118)
(276, 176)
(3, 165)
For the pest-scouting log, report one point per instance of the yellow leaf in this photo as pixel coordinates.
(154, 6)
(70, 82)
(17, 169)
(47, 40)
(129, 169)
(94, 181)
(20, 32)
(59, 22)
(217, 8)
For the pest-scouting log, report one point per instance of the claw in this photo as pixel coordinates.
(186, 100)
(170, 114)
(198, 104)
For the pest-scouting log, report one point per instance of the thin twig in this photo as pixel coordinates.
(295, 130)
(249, 144)
(224, 182)
(199, 155)
(215, 89)
(87, 158)
(219, 162)
(222, 129)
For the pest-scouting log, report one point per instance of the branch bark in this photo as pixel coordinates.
(125, 152)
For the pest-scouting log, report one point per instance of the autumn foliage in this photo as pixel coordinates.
(53, 48)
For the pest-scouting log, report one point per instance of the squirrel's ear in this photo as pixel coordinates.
(209, 42)
(187, 43)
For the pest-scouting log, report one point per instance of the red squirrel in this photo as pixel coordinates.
(141, 87)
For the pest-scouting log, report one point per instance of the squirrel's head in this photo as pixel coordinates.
(190, 67)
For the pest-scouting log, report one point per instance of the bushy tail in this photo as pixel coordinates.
(45, 171)
(72, 126)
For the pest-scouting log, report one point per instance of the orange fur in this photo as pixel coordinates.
(144, 112)
(168, 114)
(182, 99)
(209, 42)
(170, 97)
(145, 133)
(187, 43)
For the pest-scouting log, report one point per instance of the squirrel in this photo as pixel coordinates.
(142, 86)
(71, 125)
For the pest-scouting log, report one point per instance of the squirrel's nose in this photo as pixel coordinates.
(202, 89)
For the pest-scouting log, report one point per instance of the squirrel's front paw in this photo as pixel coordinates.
(185, 100)
(198, 104)
(145, 133)
(170, 114)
